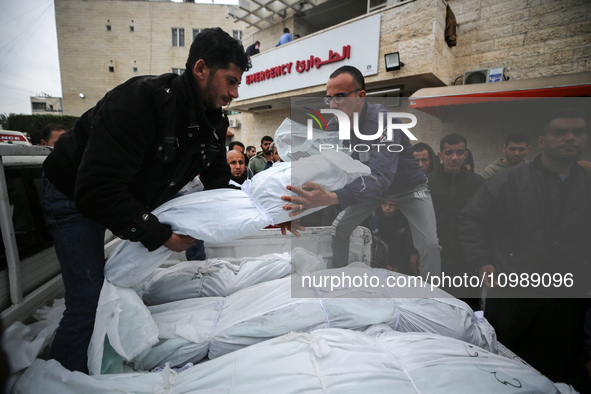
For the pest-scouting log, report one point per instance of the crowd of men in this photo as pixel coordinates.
(528, 220)
(435, 214)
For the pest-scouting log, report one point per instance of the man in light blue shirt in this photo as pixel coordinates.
(285, 38)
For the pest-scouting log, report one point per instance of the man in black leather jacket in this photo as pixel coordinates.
(133, 151)
(452, 185)
(534, 221)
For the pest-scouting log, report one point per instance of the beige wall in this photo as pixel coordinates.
(255, 126)
(530, 38)
(87, 49)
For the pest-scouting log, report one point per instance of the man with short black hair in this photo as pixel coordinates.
(133, 151)
(51, 133)
(426, 156)
(236, 145)
(535, 220)
(285, 38)
(452, 186)
(515, 148)
(263, 158)
(250, 152)
(253, 49)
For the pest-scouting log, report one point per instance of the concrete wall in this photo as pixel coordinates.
(530, 38)
(534, 38)
(255, 126)
(87, 49)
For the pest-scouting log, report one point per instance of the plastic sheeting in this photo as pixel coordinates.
(291, 139)
(220, 278)
(189, 330)
(243, 212)
(323, 361)
(211, 278)
(23, 343)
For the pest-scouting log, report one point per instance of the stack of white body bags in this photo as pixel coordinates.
(327, 360)
(220, 278)
(131, 336)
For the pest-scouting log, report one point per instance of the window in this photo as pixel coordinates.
(25, 189)
(195, 32)
(237, 34)
(40, 106)
(108, 27)
(178, 71)
(111, 69)
(373, 5)
(178, 37)
(131, 28)
(135, 69)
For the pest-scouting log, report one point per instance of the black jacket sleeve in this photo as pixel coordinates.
(123, 128)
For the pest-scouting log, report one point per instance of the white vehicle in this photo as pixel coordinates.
(13, 137)
(29, 270)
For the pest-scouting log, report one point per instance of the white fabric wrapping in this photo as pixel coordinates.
(123, 329)
(23, 343)
(224, 215)
(291, 139)
(323, 361)
(213, 278)
(220, 278)
(191, 329)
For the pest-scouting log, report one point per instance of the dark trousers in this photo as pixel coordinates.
(79, 245)
(417, 207)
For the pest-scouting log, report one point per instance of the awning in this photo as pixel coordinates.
(570, 85)
(264, 13)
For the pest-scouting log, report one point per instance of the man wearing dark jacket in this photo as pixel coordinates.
(133, 151)
(394, 176)
(390, 228)
(534, 221)
(452, 186)
(426, 157)
(253, 49)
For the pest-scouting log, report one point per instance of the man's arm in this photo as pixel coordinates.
(123, 130)
(384, 164)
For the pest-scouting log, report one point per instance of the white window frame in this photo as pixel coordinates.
(178, 36)
(237, 34)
